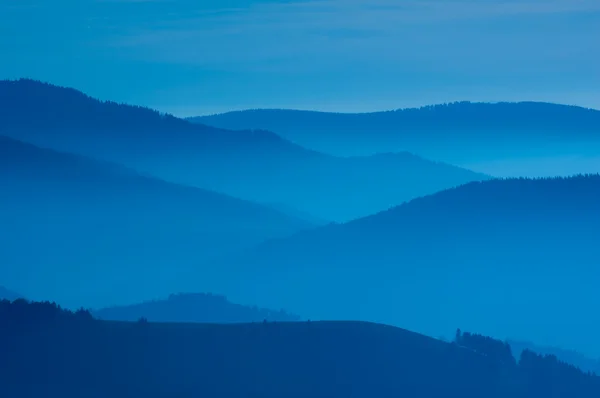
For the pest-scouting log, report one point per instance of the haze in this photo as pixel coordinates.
(281, 199)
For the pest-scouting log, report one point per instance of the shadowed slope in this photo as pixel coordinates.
(526, 138)
(524, 248)
(317, 359)
(80, 231)
(56, 353)
(254, 165)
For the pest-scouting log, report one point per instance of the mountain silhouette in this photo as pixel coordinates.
(49, 351)
(83, 231)
(54, 116)
(253, 164)
(502, 139)
(520, 247)
(199, 308)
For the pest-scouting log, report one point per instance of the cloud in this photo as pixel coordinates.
(434, 10)
(325, 34)
(385, 51)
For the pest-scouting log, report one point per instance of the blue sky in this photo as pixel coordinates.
(192, 57)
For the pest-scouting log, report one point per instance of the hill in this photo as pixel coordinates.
(83, 231)
(511, 257)
(254, 165)
(54, 353)
(199, 308)
(502, 139)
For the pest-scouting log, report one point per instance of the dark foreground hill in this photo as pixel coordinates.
(199, 308)
(80, 231)
(502, 139)
(512, 258)
(56, 354)
(254, 165)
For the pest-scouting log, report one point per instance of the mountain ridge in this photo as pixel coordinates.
(71, 354)
(60, 211)
(501, 139)
(490, 239)
(407, 109)
(254, 165)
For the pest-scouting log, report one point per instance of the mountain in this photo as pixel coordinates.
(54, 353)
(501, 139)
(199, 308)
(68, 119)
(254, 165)
(514, 257)
(6, 294)
(83, 231)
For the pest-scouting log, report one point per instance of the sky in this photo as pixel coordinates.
(197, 57)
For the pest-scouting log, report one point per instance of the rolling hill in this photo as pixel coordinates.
(83, 231)
(254, 165)
(513, 257)
(198, 308)
(53, 353)
(501, 139)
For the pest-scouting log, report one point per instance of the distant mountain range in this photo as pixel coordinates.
(253, 165)
(502, 139)
(198, 308)
(125, 203)
(83, 232)
(466, 256)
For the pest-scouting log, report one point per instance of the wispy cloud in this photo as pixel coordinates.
(410, 31)
(409, 50)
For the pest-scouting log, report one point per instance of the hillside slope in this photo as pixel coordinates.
(53, 353)
(253, 165)
(502, 139)
(81, 231)
(348, 359)
(522, 250)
